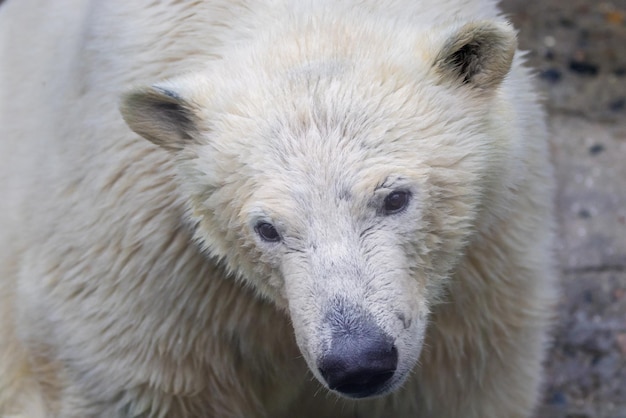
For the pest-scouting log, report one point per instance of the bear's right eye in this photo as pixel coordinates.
(267, 232)
(396, 201)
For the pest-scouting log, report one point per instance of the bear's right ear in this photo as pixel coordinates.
(478, 54)
(161, 116)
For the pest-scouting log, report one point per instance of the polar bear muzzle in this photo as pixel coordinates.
(361, 357)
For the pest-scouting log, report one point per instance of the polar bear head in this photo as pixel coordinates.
(341, 173)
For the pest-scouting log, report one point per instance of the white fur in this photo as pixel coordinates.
(133, 282)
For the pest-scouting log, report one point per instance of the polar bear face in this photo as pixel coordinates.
(340, 181)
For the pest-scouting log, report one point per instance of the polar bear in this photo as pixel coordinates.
(270, 209)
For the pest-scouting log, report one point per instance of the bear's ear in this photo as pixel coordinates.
(161, 116)
(479, 54)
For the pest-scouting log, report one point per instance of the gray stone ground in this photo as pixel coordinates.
(579, 50)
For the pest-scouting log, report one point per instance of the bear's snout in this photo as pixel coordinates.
(359, 364)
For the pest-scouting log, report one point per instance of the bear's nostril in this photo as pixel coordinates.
(363, 383)
(359, 367)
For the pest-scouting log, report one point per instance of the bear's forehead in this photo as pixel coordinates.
(328, 180)
(341, 147)
(336, 120)
(330, 158)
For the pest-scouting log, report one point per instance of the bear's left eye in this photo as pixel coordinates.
(267, 232)
(396, 201)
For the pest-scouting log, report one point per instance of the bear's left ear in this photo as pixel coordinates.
(479, 55)
(161, 115)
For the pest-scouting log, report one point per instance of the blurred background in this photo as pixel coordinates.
(579, 50)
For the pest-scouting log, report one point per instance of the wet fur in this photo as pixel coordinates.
(132, 283)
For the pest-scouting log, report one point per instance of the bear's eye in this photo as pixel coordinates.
(395, 202)
(267, 232)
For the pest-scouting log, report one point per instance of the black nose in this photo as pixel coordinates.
(359, 365)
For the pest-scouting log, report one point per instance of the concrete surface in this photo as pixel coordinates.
(579, 50)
